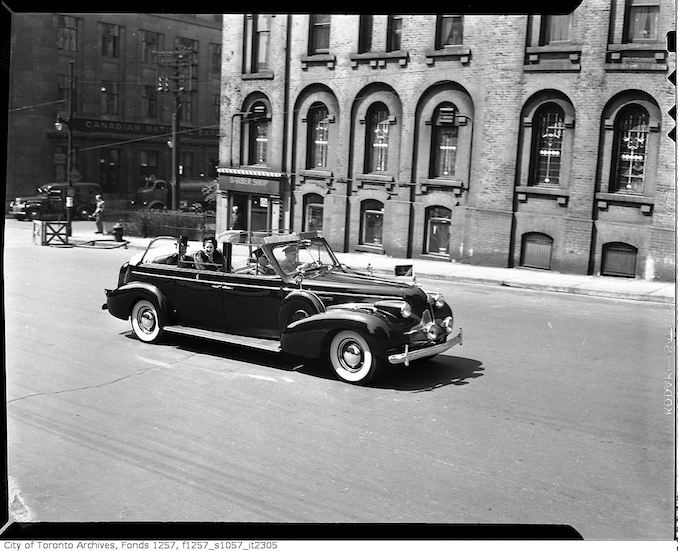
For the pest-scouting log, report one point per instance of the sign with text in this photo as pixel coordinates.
(139, 128)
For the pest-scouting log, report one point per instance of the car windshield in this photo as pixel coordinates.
(303, 255)
(161, 249)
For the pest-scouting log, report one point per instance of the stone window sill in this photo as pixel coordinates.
(636, 57)
(310, 174)
(377, 249)
(379, 59)
(460, 53)
(318, 59)
(645, 203)
(562, 196)
(261, 75)
(563, 57)
(457, 186)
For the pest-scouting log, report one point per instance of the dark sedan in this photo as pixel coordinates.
(284, 293)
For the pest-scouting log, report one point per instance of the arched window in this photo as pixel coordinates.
(631, 130)
(548, 127)
(371, 222)
(376, 139)
(258, 134)
(619, 259)
(313, 212)
(318, 136)
(438, 224)
(536, 251)
(444, 138)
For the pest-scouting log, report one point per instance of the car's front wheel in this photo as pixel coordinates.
(33, 214)
(352, 358)
(146, 322)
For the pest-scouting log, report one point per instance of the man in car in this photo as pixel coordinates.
(289, 263)
(179, 258)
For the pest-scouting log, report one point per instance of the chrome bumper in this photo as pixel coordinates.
(409, 355)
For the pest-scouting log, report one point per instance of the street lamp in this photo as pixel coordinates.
(59, 125)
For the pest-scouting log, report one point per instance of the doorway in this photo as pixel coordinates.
(249, 212)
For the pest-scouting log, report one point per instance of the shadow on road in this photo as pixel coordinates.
(430, 375)
(422, 376)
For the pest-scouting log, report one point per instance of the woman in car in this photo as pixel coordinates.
(209, 258)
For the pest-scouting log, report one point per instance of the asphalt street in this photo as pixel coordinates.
(553, 411)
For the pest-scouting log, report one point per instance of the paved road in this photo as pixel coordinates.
(551, 412)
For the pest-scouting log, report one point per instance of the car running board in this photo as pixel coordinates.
(272, 345)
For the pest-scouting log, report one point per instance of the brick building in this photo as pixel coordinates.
(504, 140)
(121, 121)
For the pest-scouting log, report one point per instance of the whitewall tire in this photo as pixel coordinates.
(352, 358)
(146, 322)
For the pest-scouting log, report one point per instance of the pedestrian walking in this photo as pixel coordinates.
(99, 213)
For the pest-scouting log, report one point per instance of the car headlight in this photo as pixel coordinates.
(406, 310)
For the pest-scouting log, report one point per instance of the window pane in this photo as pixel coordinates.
(365, 37)
(395, 29)
(372, 226)
(642, 23)
(446, 150)
(556, 28)
(314, 217)
(319, 133)
(320, 33)
(263, 23)
(378, 135)
(631, 140)
(549, 146)
(260, 142)
(438, 230)
(451, 30)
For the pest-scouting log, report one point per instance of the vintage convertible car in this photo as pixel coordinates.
(285, 292)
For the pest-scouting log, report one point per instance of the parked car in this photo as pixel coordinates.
(50, 202)
(286, 293)
(157, 194)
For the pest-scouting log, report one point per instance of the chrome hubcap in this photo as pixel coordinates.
(147, 321)
(352, 355)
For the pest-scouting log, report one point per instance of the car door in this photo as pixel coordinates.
(199, 298)
(251, 304)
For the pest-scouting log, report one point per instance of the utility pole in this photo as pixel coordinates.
(175, 63)
(59, 124)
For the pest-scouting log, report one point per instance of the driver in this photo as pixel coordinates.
(289, 263)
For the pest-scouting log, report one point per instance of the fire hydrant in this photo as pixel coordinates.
(117, 232)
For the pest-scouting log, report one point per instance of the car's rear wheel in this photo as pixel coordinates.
(352, 358)
(146, 322)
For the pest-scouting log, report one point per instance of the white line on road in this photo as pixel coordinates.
(153, 362)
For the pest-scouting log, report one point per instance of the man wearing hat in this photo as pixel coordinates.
(289, 263)
(179, 258)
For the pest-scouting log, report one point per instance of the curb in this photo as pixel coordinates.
(659, 299)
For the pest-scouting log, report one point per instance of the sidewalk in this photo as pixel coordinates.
(623, 288)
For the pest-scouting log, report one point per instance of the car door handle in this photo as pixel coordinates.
(228, 287)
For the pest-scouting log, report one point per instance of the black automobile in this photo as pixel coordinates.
(50, 202)
(285, 293)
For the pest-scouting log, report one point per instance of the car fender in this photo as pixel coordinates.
(119, 301)
(309, 337)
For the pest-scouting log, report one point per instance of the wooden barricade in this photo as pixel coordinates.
(50, 233)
